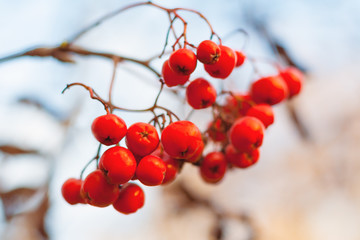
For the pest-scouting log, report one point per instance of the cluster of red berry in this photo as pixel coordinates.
(240, 122)
(237, 126)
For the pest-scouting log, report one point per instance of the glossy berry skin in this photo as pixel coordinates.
(142, 138)
(217, 130)
(293, 78)
(270, 90)
(183, 61)
(108, 129)
(181, 139)
(240, 58)
(118, 164)
(172, 78)
(208, 52)
(97, 191)
(131, 198)
(172, 165)
(224, 66)
(197, 155)
(213, 167)
(263, 112)
(246, 134)
(200, 94)
(241, 159)
(151, 170)
(71, 191)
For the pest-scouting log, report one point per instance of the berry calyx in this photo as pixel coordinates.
(241, 159)
(246, 134)
(142, 138)
(208, 52)
(213, 167)
(108, 129)
(263, 112)
(118, 164)
(172, 78)
(130, 199)
(270, 90)
(181, 139)
(224, 66)
(70, 190)
(200, 94)
(97, 191)
(183, 61)
(293, 78)
(151, 170)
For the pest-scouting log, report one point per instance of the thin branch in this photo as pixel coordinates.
(116, 60)
(93, 159)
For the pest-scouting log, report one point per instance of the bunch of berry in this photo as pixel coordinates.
(237, 126)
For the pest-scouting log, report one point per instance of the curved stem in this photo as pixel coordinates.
(92, 93)
(93, 159)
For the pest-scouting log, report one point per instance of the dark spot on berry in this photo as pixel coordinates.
(108, 139)
(204, 103)
(183, 69)
(184, 152)
(214, 169)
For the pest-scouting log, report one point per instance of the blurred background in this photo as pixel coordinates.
(306, 184)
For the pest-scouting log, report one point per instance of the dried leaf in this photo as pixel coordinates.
(15, 199)
(15, 150)
(28, 204)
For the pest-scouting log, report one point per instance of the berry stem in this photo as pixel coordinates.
(116, 60)
(91, 160)
(92, 93)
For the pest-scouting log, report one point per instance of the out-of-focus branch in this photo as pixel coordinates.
(217, 232)
(64, 53)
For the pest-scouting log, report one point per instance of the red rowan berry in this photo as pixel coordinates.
(240, 58)
(197, 155)
(181, 139)
(200, 94)
(97, 191)
(183, 61)
(172, 165)
(213, 167)
(151, 170)
(108, 129)
(222, 68)
(71, 191)
(131, 198)
(142, 138)
(241, 159)
(263, 112)
(172, 78)
(208, 52)
(118, 164)
(293, 78)
(246, 134)
(270, 90)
